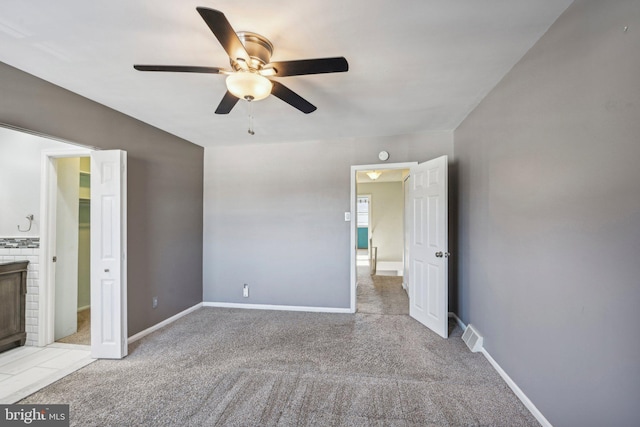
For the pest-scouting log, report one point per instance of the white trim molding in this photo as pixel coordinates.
(277, 307)
(397, 266)
(512, 385)
(162, 324)
(458, 321)
(518, 392)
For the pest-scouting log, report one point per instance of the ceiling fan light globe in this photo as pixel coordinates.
(249, 86)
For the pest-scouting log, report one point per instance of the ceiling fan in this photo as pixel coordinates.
(250, 58)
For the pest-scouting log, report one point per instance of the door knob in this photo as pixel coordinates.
(441, 254)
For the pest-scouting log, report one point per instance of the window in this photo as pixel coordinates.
(362, 210)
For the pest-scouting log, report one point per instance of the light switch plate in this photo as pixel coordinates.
(347, 216)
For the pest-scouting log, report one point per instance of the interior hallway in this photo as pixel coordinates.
(381, 294)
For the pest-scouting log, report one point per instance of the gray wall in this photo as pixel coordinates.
(164, 193)
(274, 216)
(386, 210)
(549, 218)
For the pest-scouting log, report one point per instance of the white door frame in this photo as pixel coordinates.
(353, 228)
(405, 235)
(48, 195)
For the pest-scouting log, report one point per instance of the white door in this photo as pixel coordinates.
(428, 256)
(108, 257)
(66, 264)
(405, 235)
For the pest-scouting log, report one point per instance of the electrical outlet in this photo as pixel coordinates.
(245, 291)
(154, 302)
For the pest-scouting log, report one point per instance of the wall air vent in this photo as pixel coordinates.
(472, 338)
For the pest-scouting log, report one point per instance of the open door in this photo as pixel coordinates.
(108, 249)
(428, 245)
(66, 265)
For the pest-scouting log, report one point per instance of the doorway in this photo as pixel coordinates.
(72, 301)
(107, 253)
(380, 224)
(426, 226)
(385, 261)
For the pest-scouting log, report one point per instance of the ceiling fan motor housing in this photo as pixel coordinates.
(250, 57)
(258, 47)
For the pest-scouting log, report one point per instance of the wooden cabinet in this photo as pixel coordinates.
(13, 290)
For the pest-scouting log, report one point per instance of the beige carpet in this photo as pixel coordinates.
(83, 336)
(233, 367)
(381, 294)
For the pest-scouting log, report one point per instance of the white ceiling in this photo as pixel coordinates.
(415, 65)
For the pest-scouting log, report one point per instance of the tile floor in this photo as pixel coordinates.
(25, 370)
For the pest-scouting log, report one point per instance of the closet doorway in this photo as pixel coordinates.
(72, 278)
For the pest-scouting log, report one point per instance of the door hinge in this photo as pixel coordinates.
(55, 258)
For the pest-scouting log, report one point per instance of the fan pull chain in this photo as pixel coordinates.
(251, 132)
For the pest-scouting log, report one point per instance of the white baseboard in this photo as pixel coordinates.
(162, 324)
(277, 307)
(397, 266)
(518, 392)
(457, 319)
(512, 385)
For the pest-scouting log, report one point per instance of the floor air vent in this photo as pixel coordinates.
(472, 339)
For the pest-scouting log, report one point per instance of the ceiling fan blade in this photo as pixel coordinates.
(310, 66)
(225, 34)
(179, 68)
(226, 105)
(292, 98)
